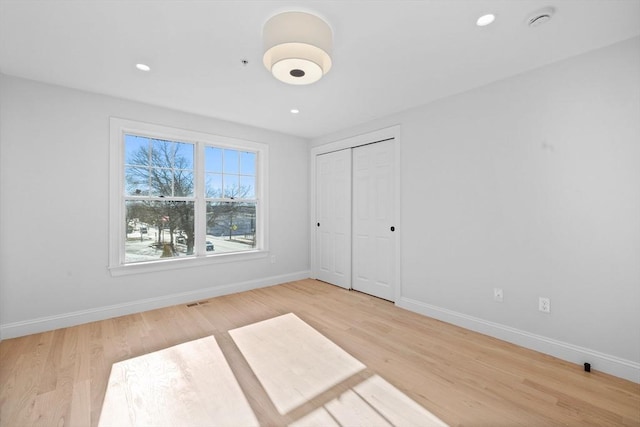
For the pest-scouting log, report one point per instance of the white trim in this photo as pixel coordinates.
(392, 132)
(118, 128)
(357, 140)
(184, 262)
(199, 216)
(397, 214)
(65, 320)
(607, 363)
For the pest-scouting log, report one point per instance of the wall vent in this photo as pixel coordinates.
(193, 304)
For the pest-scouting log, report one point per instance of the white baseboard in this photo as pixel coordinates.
(609, 364)
(42, 324)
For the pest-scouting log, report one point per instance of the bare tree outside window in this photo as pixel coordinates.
(159, 185)
(160, 199)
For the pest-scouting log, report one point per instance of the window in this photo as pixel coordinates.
(180, 198)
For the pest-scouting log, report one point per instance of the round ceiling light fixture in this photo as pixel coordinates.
(297, 47)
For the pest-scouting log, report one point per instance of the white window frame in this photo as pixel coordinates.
(117, 231)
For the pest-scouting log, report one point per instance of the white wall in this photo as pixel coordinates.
(532, 185)
(54, 146)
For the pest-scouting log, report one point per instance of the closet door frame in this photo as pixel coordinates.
(392, 132)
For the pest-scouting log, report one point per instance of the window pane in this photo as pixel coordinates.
(161, 153)
(231, 227)
(136, 181)
(213, 159)
(161, 182)
(183, 156)
(136, 150)
(231, 161)
(168, 154)
(214, 186)
(183, 183)
(231, 186)
(157, 230)
(248, 187)
(248, 164)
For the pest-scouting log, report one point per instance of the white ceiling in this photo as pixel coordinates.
(388, 56)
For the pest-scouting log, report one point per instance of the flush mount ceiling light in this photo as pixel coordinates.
(297, 47)
(143, 67)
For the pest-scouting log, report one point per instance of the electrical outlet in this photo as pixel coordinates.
(273, 259)
(544, 305)
(497, 294)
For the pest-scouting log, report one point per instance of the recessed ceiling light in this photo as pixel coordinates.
(485, 20)
(143, 67)
(294, 111)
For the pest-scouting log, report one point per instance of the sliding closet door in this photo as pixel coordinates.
(374, 241)
(333, 218)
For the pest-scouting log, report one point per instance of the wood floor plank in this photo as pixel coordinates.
(80, 402)
(464, 378)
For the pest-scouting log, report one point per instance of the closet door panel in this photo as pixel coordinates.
(373, 257)
(333, 217)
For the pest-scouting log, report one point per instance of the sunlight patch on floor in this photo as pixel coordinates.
(293, 362)
(190, 383)
(372, 403)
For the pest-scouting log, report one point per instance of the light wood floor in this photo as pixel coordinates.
(59, 378)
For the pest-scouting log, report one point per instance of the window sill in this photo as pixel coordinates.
(175, 264)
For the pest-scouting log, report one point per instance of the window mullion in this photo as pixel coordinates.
(200, 212)
(119, 230)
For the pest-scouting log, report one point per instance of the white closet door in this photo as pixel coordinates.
(373, 219)
(333, 218)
